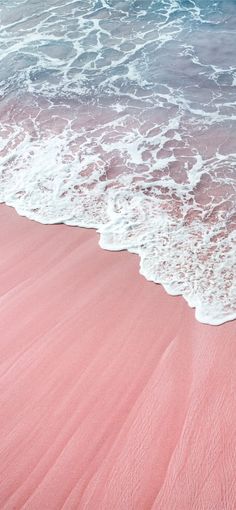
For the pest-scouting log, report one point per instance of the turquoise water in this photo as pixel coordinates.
(120, 115)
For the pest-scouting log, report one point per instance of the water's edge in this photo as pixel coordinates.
(198, 315)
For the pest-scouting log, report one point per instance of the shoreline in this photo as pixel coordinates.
(191, 299)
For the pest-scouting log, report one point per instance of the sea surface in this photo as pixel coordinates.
(121, 116)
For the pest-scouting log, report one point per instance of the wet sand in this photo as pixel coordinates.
(113, 397)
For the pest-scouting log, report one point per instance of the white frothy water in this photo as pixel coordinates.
(121, 117)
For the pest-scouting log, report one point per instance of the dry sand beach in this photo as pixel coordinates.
(113, 397)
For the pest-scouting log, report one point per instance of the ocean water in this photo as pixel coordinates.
(121, 115)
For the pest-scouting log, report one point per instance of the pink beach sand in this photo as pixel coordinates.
(113, 397)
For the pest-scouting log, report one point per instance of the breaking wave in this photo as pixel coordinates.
(120, 117)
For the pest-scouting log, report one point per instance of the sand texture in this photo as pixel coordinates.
(113, 397)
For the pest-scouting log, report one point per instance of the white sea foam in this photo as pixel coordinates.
(123, 121)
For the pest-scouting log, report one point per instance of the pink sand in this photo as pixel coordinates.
(113, 397)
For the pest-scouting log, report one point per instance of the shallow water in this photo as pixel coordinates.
(121, 116)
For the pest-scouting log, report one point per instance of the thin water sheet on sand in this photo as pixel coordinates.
(112, 395)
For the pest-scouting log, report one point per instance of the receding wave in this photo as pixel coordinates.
(121, 116)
